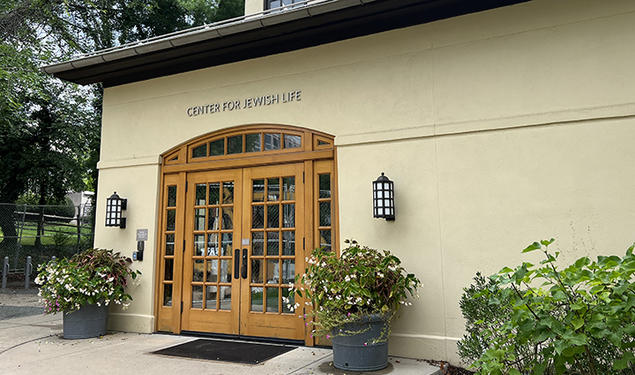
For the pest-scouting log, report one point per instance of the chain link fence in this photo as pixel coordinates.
(41, 232)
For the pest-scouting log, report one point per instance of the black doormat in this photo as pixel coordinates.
(228, 351)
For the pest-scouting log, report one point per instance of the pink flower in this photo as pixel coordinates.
(328, 337)
(365, 344)
(349, 314)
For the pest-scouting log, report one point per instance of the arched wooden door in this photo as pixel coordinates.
(240, 210)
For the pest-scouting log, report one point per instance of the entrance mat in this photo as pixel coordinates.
(225, 350)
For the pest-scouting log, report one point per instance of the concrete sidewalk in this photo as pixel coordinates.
(33, 345)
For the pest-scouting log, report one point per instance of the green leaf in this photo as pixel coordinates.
(547, 242)
(532, 247)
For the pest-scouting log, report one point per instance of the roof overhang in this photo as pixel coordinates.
(262, 34)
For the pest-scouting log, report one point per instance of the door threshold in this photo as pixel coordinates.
(222, 336)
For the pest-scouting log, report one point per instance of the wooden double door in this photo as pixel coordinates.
(243, 233)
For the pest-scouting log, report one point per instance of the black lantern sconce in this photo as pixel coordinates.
(114, 211)
(384, 198)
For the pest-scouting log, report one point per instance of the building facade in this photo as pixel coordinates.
(498, 126)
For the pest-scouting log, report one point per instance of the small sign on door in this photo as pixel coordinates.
(245, 241)
(142, 234)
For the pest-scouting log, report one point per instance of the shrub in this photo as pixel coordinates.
(576, 320)
(95, 276)
(363, 281)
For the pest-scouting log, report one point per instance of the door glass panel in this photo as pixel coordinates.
(273, 274)
(225, 271)
(288, 305)
(325, 185)
(200, 151)
(225, 297)
(257, 243)
(325, 239)
(197, 296)
(212, 271)
(256, 299)
(200, 195)
(257, 271)
(212, 218)
(272, 141)
(228, 192)
(171, 196)
(257, 216)
(235, 144)
(288, 188)
(258, 189)
(210, 297)
(199, 219)
(273, 246)
(217, 147)
(226, 248)
(167, 294)
(198, 272)
(273, 189)
(292, 141)
(325, 214)
(212, 245)
(273, 216)
(288, 215)
(169, 244)
(252, 142)
(169, 265)
(171, 220)
(288, 271)
(199, 245)
(228, 217)
(272, 299)
(214, 193)
(288, 243)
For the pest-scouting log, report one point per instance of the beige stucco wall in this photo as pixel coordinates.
(499, 128)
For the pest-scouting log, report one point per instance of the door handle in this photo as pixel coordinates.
(236, 263)
(244, 268)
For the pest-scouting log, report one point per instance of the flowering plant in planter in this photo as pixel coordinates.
(92, 277)
(360, 283)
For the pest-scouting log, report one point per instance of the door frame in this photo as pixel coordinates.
(317, 152)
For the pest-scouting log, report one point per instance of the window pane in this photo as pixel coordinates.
(325, 239)
(214, 193)
(273, 273)
(212, 218)
(167, 294)
(200, 195)
(257, 243)
(228, 217)
(200, 151)
(273, 216)
(212, 245)
(286, 306)
(199, 219)
(228, 192)
(325, 214)
(225, 297)
(273, 243)
(210, 297)
(292, 141)
(288, 271)
(257, 216)
(227, 244)
(256, 299)
(171, 219)
(169, 244)
(257, 270)
(197, 296)
(272, 142)
(258, 188)
(225, 271)
(252, 142)
(199, 245)
(235, 144)
(217, 147)
(171, 196)
(288, 188)
(198, 270)
(288, 243)
(212, 271)
(325, 185)
(272, 299)
(273, 189)
(169, 266)
(288, 215)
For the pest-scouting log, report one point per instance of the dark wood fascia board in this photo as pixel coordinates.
(306, 32)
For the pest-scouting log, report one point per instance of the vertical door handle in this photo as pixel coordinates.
(243, 271)
(236, 263)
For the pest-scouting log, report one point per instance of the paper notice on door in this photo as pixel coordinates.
(245, 241)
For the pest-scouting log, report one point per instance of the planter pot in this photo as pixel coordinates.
(89, 321)
(350, 353)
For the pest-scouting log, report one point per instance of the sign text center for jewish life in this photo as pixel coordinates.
(245, 103)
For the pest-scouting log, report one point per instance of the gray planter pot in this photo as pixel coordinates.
(89, 321)
(350, 353)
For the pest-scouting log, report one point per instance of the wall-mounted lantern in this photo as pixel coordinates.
(115, 206)
(384, 198)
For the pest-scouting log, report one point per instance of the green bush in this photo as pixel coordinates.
(545, 320)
